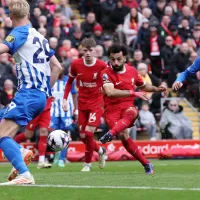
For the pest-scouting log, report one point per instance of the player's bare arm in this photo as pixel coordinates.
(110, 91)
(150, 88)
(55, 70)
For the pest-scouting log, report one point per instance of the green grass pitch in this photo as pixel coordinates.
(173, 180)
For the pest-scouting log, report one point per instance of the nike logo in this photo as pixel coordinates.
(79, 74)
(117, 83)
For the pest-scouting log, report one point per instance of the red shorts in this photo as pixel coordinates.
(113, 116)
(89, 117)
(42, 120)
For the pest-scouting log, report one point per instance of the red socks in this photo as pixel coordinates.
(132, 148)
(128, 119)
(20, 138)
(42, 145)
(96, 146)
(89, 146)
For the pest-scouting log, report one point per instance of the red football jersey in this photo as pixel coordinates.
(88, 82)
(126, 80)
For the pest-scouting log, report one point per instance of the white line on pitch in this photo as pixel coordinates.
(113, 187)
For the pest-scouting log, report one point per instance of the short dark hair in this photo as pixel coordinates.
(116, 48)
(88, 42)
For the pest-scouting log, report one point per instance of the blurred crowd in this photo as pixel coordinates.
(162, 36)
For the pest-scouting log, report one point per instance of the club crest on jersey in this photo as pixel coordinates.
(105, 77)
(10, 39)
(95, 75)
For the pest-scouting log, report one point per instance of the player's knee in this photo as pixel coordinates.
(90, 129)
(82, 135)
(43, 131)
(131, 115)
(29, 134)
(124, 135)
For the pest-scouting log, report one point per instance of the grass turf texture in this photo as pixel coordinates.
(173, 179)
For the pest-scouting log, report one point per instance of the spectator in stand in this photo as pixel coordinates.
(168, 11)
(76, 37)
(193, 82)
(177, 41)
(179, 62)
(56, 17)
(143, 4)
(35, 18)
(132, 24)
(107, 43)
(147, 13)
(184, 30)
(98, 34)
(65, 26)
(117, 16)
(147, 120)
(166, 53)
(7, 93)
(155, 42)
(174, 124)
(196, 36)
(66, 46)
(191, 44)
(65, 9)
(99, 53)
(106, 8)
(53, 44)
(187, 14)
(42, 20)
(88, 25)
(143, 37)
(142, 69)
(138, 58)
(130, 3)
(155, 106)
(158, 11)
(164, 28)
(5, 69)
(43, 31)
(56, 32)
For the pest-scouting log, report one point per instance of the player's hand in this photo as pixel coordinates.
(163, 88)
(65, 105)
(177, 85)
(141, 95)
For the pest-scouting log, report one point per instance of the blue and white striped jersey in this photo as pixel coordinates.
(32, 55)
(58, 93)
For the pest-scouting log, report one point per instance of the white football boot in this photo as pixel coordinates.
(28, 156)
(86, 168)
(102, 158)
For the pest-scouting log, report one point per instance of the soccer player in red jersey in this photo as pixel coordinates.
(87, 71)
(119, 82)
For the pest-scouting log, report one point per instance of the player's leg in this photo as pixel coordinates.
(132, 148)
(127, 120)
(91, 145)
(43, 125)
(26, 154)
(12, 151)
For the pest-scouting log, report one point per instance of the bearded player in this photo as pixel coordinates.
(119, 82)
(87, 71)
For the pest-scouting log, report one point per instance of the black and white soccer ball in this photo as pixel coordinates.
(58, 140)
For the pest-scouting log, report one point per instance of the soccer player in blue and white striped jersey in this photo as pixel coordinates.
(59, 118)
(37, 70)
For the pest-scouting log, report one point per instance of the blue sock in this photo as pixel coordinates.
(63, 154)
(12, 152)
